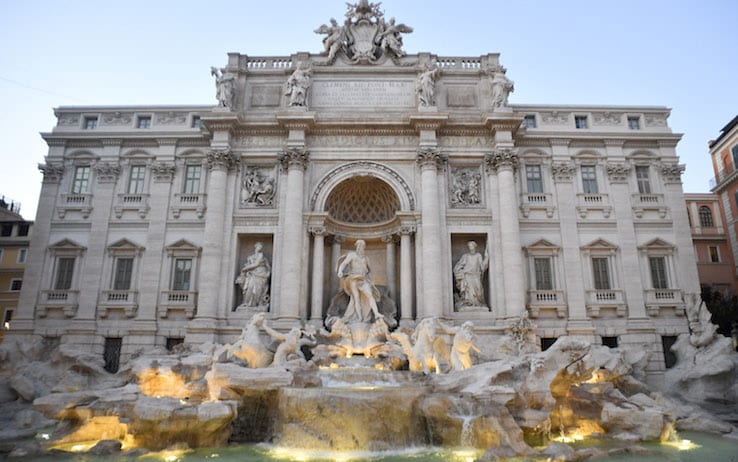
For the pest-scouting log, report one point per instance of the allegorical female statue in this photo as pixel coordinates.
(254, 279)
(468, 273)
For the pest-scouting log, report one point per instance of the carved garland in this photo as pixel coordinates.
(163, 172)
(107, 172)
(618, 173)
(563, 171)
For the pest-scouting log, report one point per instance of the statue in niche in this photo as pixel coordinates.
(425, 86)
(258, 189)
(356, 281)
(501, 89)
(389, 36)
(468, 272)
(466, 189)
(297, 85)
(333, 41)
(254, 279)
(224, 87)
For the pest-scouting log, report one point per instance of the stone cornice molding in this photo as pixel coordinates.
(672, 173)
(618, 173)
(563, 171)
(501, 158)
(163, 172)
(430, 157)
(111, 141)
(428, 121)
(296, 158)
(221, 159)
(296, 120)
(107, 172)
(52, 172)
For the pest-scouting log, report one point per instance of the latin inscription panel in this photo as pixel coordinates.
(365, 93)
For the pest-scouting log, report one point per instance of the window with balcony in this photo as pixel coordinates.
(601, 273)
(706, 217)
(136, 179)
(543, 273)
(657, 266)
(543, 294)
(123, 273)
(182, 274)
(64, 273)
(192, 179)
(533, 178)
(81, 180)
(659, 277)
(644, 181)
(589, 179)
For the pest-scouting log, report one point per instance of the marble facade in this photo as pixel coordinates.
(148, 213)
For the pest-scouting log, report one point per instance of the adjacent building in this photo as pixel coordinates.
(724, 155)
(149, 215)
(15, 234)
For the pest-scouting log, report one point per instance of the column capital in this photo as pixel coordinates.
(338, 239)
(163, 172)
(317, 230)
(618, 172)
(388, 238)
(52, 172)
(107, 172)
(294, 158)
(672, 173)
(221, 159)
(430, 157)
(501, 158)
(407, 229)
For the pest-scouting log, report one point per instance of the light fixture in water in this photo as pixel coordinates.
(682, 445)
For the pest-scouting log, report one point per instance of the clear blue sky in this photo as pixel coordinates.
(679, 54)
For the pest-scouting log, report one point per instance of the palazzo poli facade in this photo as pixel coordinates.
(148, 214)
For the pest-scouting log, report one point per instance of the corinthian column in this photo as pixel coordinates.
(429, 160)
(295, 161)
(316, 310)
(219, 162)
(504, 160)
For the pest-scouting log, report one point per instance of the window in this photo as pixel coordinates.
(123, 274)
(734, 151)
(81, 180)
(529, 121)
(182, 271)
(16, 284)
(64, 273)
(6, 229)
(658, 272)
(589, 179)
(601, 273)
(7, 317)
(136, 180)
(543, 273)
(667, 341)
(192, 179)
(736, 198)
(706, 217)
(634, 123)
(90, 123)
(111, 354)
(173, 342)
(610, 342)
(580, 121)
(22, 254)
(689, 217)
(23, 229)
(547, 342)
(714, 254)
(143, 122)
(196, 122)
(644, 183)
(1, 255)
(533, 175)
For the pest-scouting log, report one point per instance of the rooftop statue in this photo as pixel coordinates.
(425, 86)
(224, 87)
(501, 89)
(297, 85)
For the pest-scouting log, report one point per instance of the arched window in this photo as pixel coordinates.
(706, 217)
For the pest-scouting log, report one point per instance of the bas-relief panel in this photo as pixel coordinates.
(266, 95)
(258, 187)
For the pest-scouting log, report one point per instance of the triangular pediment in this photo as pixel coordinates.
(599, 244)
(543, 244)
(657, 244)
(67, 244)
(124, 244)
(183, 244)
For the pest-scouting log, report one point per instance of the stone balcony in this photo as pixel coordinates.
(65, 300)
(602, 301)
(533, 202)
(656, 299)
(542, 301)
(648, 203)
(177, 300)
(125, 300)
(192, 202)
(588, 202)
(138, 203)
(81, 203)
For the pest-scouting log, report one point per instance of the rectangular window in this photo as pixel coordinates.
(644, 182)
(1, 256)
(714, 254)
(736, 198)
(589, 179)
(23, 229)
(22, 254)
(658, 272)
(196, 122)
(529, 121)
(192, 179)
(533, 176)
(547, 342)
(7, 317)
(734, 151)
(667, 341)
(173, 342)
(16, 284)
(123, 273)
(143, 122)
(544, 279)
(111, 354)
(81, 180)
(64, 273)
(634, 123)
(6, 229)
(90, 123)
(601, 273)
(182, 270)
(136, 180)
(580, 121)
(610, 342)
